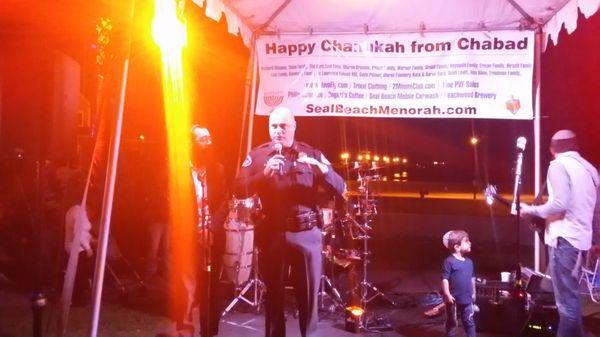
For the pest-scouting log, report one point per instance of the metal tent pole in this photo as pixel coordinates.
(109, 189)
(537, 135)
(247, 113)
(253, 99)
(107, 203)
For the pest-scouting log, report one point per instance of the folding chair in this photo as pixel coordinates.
(591, 277)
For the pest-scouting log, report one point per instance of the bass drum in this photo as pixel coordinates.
(239, 240)
(239, 251)
(339, 245)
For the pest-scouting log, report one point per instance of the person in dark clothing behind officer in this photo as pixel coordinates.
(200, 285)
(287, 175)
(210, 182)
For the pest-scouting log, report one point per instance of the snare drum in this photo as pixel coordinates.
(243, 209)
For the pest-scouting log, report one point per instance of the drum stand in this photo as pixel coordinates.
(255, 284)
(333, 293)
(366, 210)
(364, 287)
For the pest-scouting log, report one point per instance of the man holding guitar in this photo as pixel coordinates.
(572, 184)
(535, 222)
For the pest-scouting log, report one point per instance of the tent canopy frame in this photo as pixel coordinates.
(546, 26)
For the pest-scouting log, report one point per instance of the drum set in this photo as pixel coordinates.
(346, 233)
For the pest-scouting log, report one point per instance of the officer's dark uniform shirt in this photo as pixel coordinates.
(291, 192)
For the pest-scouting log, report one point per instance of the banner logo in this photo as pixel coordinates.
(273, 99)
(513, 105)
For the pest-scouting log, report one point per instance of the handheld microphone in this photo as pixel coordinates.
(521, 142)
(279, 148)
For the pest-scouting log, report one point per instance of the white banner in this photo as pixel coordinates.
(438, 75)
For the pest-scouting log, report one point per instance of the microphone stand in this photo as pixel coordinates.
(516, 210)
(518, 280)
(205, 236)
(38, 299)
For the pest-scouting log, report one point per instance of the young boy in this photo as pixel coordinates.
(458, 283)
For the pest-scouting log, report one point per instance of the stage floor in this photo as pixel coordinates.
(144, 316)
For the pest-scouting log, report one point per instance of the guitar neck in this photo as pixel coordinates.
(538, 223)
(503, 200)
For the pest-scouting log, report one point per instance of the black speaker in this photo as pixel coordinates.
(504, 310)
(39, 90)
(65, 107)
(543, 313)
(542, 320)
(501, 309)
(506, 316)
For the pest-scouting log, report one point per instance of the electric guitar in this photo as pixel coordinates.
(538, 224)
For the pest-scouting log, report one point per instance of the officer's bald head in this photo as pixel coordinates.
(282, 113)
(282, 126)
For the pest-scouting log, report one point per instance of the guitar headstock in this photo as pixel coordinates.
(104, 29)
(489, 193)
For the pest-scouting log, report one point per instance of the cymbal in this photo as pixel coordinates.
(369, 177)
(342, 257)
(361, 168)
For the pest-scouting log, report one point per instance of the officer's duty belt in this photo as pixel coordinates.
(302, 222)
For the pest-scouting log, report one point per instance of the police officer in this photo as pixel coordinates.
(287, 175)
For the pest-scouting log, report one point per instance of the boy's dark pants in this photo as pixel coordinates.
(466, 313)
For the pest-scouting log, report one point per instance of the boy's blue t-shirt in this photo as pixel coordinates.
(459, 274)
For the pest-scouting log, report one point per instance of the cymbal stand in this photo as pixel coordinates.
(368, 292)
(366, 211)
(255, 286)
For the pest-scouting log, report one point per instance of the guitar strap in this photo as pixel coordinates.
(538, 198)
(586, 167)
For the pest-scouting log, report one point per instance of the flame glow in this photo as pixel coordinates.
(169, 33)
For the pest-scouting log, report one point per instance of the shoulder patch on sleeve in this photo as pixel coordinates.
(324, 160)
(247, 162)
